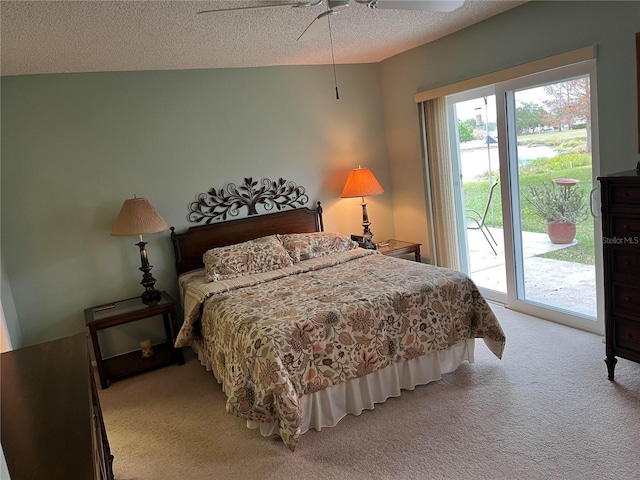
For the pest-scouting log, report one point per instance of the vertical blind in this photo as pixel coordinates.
(439, 164)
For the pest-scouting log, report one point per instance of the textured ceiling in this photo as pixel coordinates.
(91, 36)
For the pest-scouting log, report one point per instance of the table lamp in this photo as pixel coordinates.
(362, 183)
(137, 216)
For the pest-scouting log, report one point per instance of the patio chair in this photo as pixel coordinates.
(476, 220)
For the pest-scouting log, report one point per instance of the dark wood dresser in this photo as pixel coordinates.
(52, 424)
(621, 249)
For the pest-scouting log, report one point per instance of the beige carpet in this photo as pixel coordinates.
(546, 411)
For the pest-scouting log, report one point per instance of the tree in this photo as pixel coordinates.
(465, 129)
(529, 116)
(570, 103)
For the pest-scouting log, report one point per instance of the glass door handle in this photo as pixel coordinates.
(593, 200)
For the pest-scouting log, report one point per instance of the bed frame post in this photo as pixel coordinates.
(175, 241)
(320, 222)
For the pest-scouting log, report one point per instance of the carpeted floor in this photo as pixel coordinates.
(546, 411)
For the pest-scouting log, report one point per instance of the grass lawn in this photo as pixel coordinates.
(565, 139)
(538, 173)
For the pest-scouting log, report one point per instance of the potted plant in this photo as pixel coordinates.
(561, 207)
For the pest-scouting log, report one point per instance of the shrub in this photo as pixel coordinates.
(562, 161)
(562, 204)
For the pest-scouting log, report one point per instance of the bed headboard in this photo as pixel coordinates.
(192, 244)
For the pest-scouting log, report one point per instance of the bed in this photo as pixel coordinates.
(298, 344)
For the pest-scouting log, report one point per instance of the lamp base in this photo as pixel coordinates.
(367, 235)
(151, 297)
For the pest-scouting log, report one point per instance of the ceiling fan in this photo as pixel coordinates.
(335, 6)
(318, 26)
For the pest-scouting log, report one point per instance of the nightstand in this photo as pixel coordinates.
(126, 311)
(397, 248)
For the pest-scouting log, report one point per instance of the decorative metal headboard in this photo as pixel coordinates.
(230, 199)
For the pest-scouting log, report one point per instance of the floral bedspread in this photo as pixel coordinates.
(274, 337)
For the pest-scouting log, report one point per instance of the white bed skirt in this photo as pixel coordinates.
(327, 407)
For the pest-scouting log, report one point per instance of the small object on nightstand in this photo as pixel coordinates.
(146, 348)
(364, 241)
(101, 308)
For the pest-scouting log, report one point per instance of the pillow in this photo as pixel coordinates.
(255, 256)
(303, 246)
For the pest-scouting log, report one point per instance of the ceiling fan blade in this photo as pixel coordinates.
(273, 5)
(316, 28)
(425, 5)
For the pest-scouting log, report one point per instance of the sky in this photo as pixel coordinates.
(470, 108)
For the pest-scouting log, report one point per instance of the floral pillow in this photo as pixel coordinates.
(303, 246)
(255, 256)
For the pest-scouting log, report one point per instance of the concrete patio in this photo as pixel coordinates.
(557, 283)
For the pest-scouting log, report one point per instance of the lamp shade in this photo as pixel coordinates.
(137, 216)
(361, 183)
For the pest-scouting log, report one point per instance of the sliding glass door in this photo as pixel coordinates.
(476, 174)
(550, 160)
(530, 240)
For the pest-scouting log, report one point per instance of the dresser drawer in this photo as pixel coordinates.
(625, 262)
(625, 230)
(626, 299)
(625, 195)
(627, 334)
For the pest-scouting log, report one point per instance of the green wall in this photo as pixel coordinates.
(532, 31)
(75, 146)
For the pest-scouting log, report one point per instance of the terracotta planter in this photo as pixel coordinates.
(561, 233)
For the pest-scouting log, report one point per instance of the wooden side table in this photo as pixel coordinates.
(397, 248)
(126, 311)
